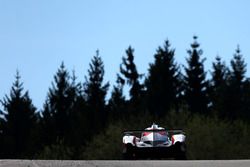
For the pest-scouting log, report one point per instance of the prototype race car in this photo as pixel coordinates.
(154, 142)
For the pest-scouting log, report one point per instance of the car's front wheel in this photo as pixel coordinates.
(180, 151)
(128, 153)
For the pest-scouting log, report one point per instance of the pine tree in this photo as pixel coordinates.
(163, 82)
(129, 71)
(195, 81)
(235, 90)
(20, 120)
(219, 86)
(96, 92)
(238, 69)
(219, 73)
(60, 100)
(117, 101)
(47, 124)
(78, 128)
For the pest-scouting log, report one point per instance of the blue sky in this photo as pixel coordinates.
(37, 35)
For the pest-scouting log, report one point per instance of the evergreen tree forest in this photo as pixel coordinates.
(80, 120)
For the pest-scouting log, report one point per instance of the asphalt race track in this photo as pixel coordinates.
(146, 163)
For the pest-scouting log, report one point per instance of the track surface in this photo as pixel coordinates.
(147, 163)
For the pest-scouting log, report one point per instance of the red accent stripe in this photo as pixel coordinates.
(146, 133)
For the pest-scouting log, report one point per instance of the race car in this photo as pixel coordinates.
(154, 142)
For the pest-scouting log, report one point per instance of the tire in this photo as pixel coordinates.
(127, 153)
(180, 151)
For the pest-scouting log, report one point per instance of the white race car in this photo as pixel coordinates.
(154, 142)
